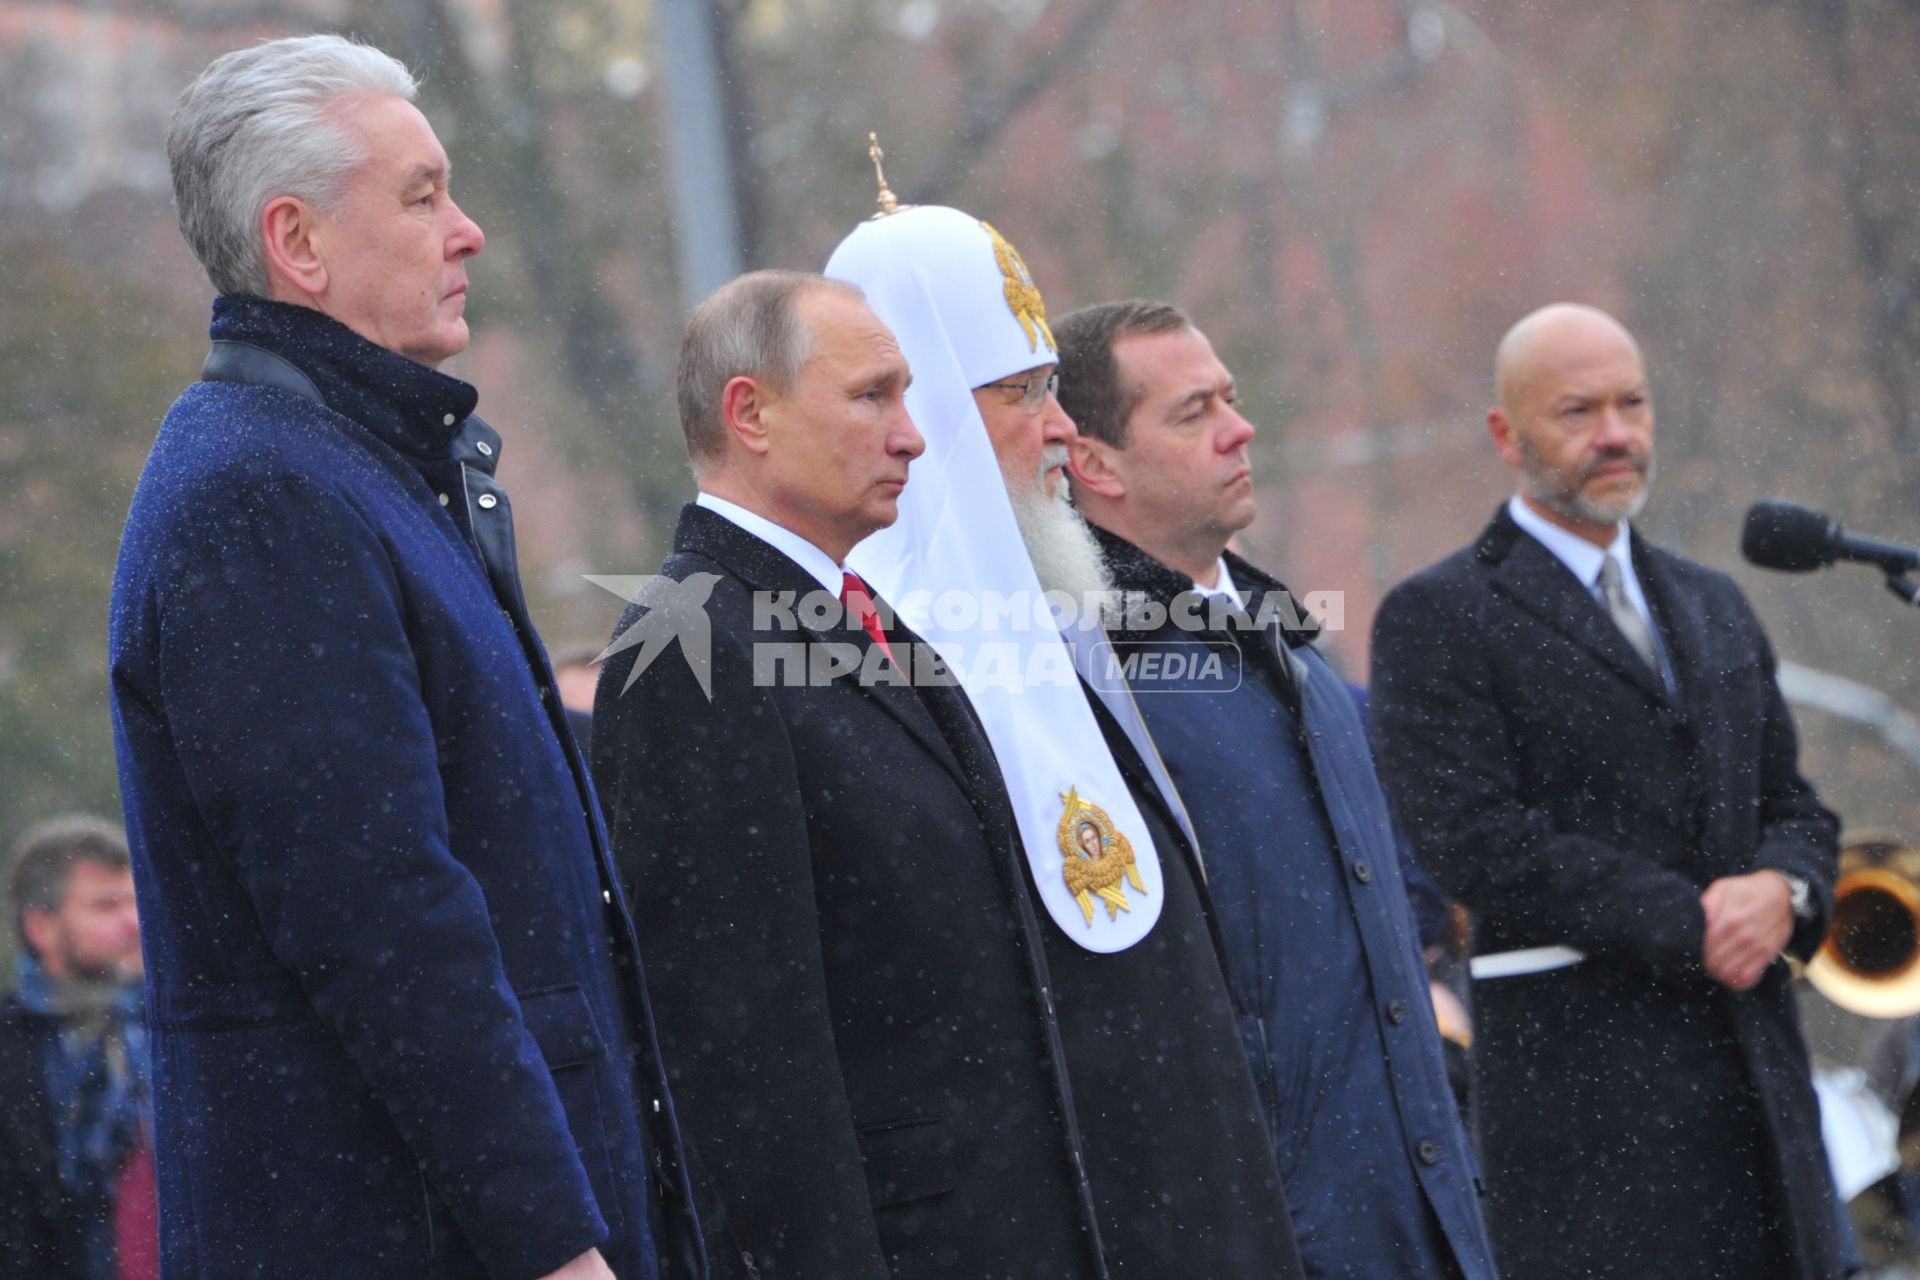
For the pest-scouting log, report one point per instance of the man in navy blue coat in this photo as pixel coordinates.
(399, 1022)
(1268, 752)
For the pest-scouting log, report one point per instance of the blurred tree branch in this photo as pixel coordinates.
(990, 106)
(512, 116)
(1879, 226)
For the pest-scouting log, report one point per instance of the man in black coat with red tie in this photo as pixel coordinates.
(846, 964)
(1583, 736)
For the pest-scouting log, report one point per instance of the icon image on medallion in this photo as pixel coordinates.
(1099, 860)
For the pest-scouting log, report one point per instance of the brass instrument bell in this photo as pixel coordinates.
(1870, 963)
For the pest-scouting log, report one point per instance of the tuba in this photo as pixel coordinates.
(1870, 963)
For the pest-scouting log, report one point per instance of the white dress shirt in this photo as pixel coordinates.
(1224, 587)
(1584, 560)
(816, 562)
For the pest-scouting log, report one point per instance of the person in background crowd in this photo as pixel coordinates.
(76, 1158)
(1271, 756)
(1583, 736)
(400, 1024)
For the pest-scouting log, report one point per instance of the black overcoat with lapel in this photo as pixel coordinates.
(847, 976)
(1178, 1152)
(1552, 783)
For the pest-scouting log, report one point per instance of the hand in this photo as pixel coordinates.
(1451, 1015)
(588, 1266)
(1749, 919)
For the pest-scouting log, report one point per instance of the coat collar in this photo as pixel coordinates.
(1134, 571)
(1539, 582)
(417, 410)
(761, 567)
(755, 561)
(820, 566)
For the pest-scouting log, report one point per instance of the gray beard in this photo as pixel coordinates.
(1575, 506)
(1066, 556)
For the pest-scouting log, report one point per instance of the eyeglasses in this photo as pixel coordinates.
(1033, 388)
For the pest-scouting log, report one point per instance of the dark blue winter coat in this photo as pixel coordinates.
(400, 1028)
(1271, 759)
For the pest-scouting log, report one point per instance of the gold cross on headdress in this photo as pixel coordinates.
(888, 202)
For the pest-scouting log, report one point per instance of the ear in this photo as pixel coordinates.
(1092, 464)
(744, 405)
(291, 235)
(39, 929)
(1501, 429)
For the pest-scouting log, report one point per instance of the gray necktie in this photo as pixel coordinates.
(1625, 616)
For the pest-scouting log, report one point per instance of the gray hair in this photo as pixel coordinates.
(750, 327)
(260, 123)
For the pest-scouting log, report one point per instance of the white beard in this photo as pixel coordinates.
(1066, 556)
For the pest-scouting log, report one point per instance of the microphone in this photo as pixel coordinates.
(1796, 539)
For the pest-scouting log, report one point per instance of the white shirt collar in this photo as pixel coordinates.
(1224, 587)
(1575, 552)
(818, 564)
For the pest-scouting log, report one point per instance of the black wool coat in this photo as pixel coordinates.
(1633, 1110)
(844, 958)
(42, 1226)
(1183, 1168)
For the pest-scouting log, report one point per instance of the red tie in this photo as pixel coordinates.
(859, 603)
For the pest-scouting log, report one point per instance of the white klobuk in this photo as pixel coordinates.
(964, 309)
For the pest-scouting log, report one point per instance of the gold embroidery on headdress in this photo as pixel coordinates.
(1023, 297)
(1097, 871)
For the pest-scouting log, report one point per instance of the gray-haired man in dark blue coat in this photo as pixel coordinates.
(1269, 754)
(399, 1022)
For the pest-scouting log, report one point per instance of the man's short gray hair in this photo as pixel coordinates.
(261, 123)
(751, 327)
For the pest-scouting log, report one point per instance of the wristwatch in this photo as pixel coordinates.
(1799, 897)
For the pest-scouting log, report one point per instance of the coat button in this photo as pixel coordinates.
(486, 450)
(448, 420)
(656, 1106)
(1363, 872)
(1397, 1011)
(488, 502)
(1429, 1152)
(443, 499)
(606, 896)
